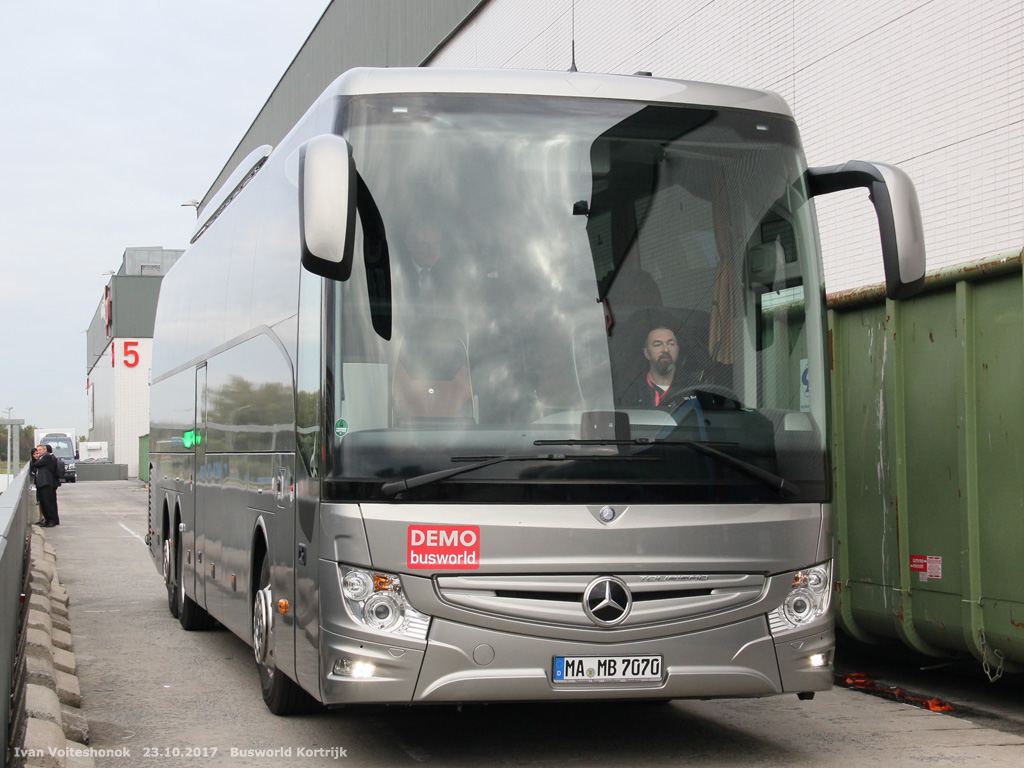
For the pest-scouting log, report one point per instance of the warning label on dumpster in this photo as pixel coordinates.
(928, 566)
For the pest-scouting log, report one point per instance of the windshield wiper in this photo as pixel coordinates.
(779, 484)
(479, 462)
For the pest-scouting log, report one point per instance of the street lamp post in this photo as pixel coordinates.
(7, 467)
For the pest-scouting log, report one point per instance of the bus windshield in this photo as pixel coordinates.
(570, 295)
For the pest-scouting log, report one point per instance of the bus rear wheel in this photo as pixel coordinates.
(169, 582)
(281, 694)
(190, 615)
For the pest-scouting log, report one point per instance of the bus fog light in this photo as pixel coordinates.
(363, 669)
(818, 660)
(350, 668)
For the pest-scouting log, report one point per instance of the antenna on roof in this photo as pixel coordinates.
(572, 66)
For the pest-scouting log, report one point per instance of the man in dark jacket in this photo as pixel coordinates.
(45, 467)
(652, 389)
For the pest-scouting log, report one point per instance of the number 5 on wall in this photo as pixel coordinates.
(130, 357)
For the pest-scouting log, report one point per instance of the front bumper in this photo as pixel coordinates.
(464, 663)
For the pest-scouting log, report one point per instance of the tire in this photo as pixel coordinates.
(281, 694)
(191, 617)
(169, 581)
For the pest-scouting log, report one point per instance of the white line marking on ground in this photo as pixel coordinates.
(133, 533)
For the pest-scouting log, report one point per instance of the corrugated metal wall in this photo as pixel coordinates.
(351, 33)
(934, 87)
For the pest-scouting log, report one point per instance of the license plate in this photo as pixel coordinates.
(606, 669)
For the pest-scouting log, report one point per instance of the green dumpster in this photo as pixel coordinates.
(144, 458)
(930, 465)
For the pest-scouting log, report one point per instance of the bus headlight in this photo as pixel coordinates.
(377, 601)
(357, 585)
(383, 611)
(808, 600)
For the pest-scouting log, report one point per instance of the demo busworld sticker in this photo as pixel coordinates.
(451, 547)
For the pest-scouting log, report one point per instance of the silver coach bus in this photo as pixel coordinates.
(460, 486)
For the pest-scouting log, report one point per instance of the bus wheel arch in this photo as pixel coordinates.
(260, 551)
(281, 694)
(191, 616)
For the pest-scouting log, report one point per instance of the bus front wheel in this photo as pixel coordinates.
(281, 694)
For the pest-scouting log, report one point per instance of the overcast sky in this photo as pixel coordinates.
(112, 113)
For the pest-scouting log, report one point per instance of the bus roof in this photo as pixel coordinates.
(362, 81)
(367, 80)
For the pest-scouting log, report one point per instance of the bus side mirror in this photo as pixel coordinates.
(899, 218)
(327, 206)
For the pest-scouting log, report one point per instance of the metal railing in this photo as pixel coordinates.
(14, 561)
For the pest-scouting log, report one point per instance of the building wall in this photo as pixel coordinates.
(119, 354)
(119, 399)
(936, 87)
(100, 402)
(133, 294)
(131, 400)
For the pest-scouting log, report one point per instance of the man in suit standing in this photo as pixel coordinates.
(45, 467)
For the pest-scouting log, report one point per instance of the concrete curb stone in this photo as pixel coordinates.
(48, 569)
(64, 661)
(39, 671)
(60, 623)
(62, 640)
(43, 739)
(39, 620)
(40, 602)
(42, 704)
(38, 643)
(54, 728)
(76, 727)
(68, 690)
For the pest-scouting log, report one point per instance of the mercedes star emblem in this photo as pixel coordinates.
(607, 601)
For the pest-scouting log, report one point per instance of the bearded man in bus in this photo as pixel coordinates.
(652, 390)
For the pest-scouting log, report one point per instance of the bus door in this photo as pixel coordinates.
(308, 384)
(281, 532)
(188, 542)
(307, 601)
(205, 558)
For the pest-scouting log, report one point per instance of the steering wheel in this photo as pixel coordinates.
(709, 396)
